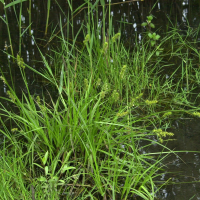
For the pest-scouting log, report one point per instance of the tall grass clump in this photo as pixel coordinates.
(78, 141)
(84, 143)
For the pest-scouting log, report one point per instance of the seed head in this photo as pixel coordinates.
(87, 39)
(151, 102)
(123, 71)
(115, 96)
(116, 37)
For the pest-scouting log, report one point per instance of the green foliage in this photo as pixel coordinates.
(52, 181)
(149, 18)
(153, 37)
(20, 62)
(85, 142)
(13, 3)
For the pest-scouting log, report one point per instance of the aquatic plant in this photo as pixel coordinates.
(84, 142)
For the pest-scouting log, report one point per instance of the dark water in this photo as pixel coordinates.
(187, 165)
(128, 17)
(183, 168)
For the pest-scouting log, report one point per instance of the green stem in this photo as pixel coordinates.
(29, 11)
(48, 10)
(20, 25)
(9, 36)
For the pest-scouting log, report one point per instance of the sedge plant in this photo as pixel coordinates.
(85, 141)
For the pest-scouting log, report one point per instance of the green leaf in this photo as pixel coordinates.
(62, 181)
(3, 19)
(13, 3)
(54, 179)
(70, 5)
(38, 165)
(67, 157)
(149, 18)
(44, 160)
(152, 25)
(42, 179)
(25, 30)
(144, 24)
(157, 53)
(102, 2)
(65, 167)
(154, 36)
(153, 43)
(46, 169)
(95, 4)
(157, 37)
(150, 35)
(61, 79)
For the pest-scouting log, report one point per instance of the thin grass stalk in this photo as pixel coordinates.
(91, 35)
(103, 21)
(20, 27)
(8, 29)
(29, 12)
(72, 24)
(47, 20)
(187, 65)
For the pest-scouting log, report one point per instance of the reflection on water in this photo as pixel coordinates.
(186, 165)
(127, 16)
(183, 169)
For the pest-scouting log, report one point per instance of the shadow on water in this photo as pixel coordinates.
(127, 17)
